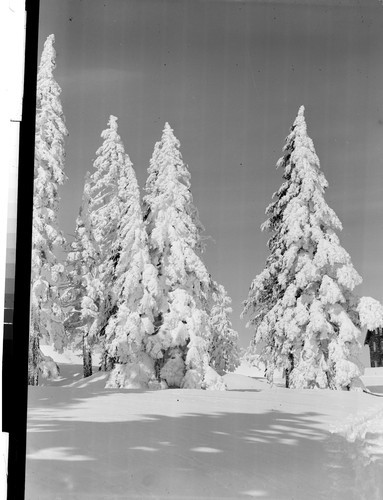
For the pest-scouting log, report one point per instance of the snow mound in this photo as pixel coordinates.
(192, 380)
(49, 369)
(132, 375)
(212, 381)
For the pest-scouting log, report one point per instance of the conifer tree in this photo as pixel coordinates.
(223, 348)
(181, 338)
(81, 295)
(303, 306)
(46, 312)
(105, 205)
(135, 280)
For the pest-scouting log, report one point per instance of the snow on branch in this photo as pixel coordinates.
(370, 313)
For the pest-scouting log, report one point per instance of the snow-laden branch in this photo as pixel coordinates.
(370, 313)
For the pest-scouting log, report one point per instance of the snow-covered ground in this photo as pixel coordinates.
(252, 441)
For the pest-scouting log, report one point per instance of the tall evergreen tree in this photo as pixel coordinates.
(181, 338)
(81, 296)
(135, 279)
(106, 203)
(223, 347)
(46, 312)
(303, 305)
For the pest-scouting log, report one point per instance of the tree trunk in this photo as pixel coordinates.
(87, 356)
(102, 366)
(159, 363)
(34, 359)
(289, 369)
(107, 362)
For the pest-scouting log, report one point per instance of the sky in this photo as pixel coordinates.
(229, 77)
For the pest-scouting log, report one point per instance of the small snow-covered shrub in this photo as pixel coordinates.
(48, 368)
(212, 381)
(173, 370)
(347, 374)
(192, 380)
(135, 375)
(370, 313)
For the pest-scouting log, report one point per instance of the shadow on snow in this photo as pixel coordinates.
(274, 454)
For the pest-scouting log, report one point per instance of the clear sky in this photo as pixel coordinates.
(229, 77)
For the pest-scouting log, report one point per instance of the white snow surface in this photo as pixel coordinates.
(251, 441)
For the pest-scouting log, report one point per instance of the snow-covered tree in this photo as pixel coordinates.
(223, 348)
(106, 202)
(303, 306)
(135, 283)
(46, 312)
(370, 313)
(181, 337)
(81, 297)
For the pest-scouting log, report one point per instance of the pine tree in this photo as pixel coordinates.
(46, 312)
(303, 306)
(81, 294)
(135, 280)
(223, 348)
(181, 338)
(105, 205)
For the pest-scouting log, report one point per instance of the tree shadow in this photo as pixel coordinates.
(245, 390)
(134, 453)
